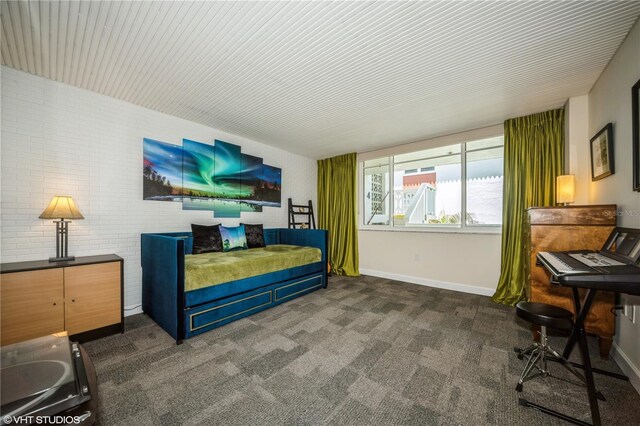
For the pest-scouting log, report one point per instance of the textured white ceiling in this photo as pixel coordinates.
(323, 78)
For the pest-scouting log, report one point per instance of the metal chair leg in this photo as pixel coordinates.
(540, 353)
(527, 351)
(526, 373)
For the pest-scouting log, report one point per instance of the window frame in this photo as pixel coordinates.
(361, 196)
(462, 227)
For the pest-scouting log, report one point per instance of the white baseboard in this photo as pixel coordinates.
(627, 367)
(132, 310)
(464, 288)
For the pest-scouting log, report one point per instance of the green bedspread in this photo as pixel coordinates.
(208, 269)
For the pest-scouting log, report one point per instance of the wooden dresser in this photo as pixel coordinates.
(83, 297)
(572, 228)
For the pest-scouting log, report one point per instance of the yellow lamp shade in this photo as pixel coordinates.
(61, 207)
(565, 188)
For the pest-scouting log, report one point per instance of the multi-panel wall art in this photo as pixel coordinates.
(162, 171)
(215, 177)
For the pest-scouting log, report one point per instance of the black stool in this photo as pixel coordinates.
(544, 316)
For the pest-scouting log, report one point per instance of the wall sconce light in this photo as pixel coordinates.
(565, 189)
(61, 207)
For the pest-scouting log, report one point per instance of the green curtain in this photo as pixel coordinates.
(337, 211)
(533, 157)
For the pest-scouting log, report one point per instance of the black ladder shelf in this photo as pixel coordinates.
(301, 210)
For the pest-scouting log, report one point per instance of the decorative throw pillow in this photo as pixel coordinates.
(255, 235)
(206, 238)
(233, 238)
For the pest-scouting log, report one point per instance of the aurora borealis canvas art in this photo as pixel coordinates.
(215, 177)
(161, 171)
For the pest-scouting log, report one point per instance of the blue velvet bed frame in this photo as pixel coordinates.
(183, 314)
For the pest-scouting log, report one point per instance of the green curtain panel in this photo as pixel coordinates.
(337, 211)
(533, 158)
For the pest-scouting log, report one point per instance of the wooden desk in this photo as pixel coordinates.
(83, 297)
(565, 229)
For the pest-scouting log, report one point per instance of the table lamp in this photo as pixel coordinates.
(62, 207)
(565, 189)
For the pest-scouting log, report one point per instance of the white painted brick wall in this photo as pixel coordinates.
(58, 139)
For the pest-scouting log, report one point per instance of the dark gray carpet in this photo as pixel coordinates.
(366, 351)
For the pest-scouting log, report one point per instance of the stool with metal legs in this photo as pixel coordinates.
(538, 354)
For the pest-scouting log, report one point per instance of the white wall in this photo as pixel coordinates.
(610, 101)
(58, 139)
(460, 261)
(457, 261)
(577, 146)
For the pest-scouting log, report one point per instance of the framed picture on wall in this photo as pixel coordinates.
(602, 153)
(635, 138)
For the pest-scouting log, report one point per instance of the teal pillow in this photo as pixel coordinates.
(233, 238)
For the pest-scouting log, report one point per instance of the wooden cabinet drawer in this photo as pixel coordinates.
(32, 304)
(92, 296)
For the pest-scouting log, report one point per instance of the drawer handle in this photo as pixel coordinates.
(54, 303)
(73, 300)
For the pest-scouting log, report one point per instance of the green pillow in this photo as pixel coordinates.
(233, 238)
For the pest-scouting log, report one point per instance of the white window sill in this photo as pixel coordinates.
(442, 229)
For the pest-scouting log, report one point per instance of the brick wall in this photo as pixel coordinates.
(58, 139)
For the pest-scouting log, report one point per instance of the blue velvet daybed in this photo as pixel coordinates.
(184, 313)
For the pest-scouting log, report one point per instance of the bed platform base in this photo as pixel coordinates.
(186, 314)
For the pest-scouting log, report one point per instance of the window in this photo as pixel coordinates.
(376, 192)
(424, 197)
(452, 186)
(485, 171)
